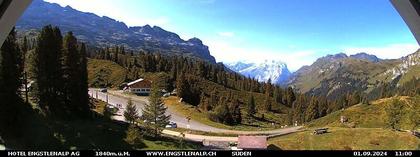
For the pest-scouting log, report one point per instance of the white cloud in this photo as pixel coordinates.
(391, 51)
(226, 34)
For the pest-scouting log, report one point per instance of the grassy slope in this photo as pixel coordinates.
(413, 72)
(348, 138)
(371, 131)
(117, 73)
(196, 114)
(369, 116)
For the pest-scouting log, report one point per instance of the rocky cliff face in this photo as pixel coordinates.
(105, 31)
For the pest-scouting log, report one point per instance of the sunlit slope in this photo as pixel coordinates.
(347, 139)
(371, 116)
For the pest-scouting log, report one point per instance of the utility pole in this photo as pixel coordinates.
(107, 97)
(107, 81)
(25, 75)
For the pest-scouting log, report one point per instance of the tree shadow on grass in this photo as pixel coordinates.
(24, 128)
(273, 147)
(29, 129)
(98, 133)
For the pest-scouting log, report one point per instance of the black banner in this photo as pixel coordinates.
(204, 153)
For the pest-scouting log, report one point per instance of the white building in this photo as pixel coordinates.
(140, 86)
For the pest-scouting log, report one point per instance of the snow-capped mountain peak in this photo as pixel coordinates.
(277, 71)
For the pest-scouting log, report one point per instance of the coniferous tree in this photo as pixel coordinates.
(312, 112)
(154, 112)
(415, 116)
(10, 66)
(10, 80)
(181, 86)
(322, 106)
(213, 99)
(298, 108)
(47, 70)
(131, 113)
(204, 102)
(237, 115)
(251, 107)
(134, 136)
(222, 112)
(267, 103)
(290, 96)
(394, 114)
(83, 81)
(116, 55)
(71, 74)
(107, 55)
(25, 45)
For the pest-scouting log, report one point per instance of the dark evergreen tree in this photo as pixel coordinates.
(290, 97)
(10, 67)
(10, 81)
(237, 115)
(394, 114)
(47, 70)
(312, 112)
(131, 113)
(181, 88)
(71, 74)
(83, 82)
(251, 107)
(154, 112)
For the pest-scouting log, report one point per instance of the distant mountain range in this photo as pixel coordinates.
(275, 71)
(104, 31)
(365, 56)
(334, 75)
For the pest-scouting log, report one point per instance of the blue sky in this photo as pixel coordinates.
(296, 32)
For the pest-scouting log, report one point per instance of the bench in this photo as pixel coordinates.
(320, 131)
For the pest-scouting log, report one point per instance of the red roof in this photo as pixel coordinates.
(252, 142)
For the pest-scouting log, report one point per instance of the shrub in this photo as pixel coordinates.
(134, 136)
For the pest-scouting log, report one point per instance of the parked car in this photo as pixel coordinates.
(104, 90)
(171, 125)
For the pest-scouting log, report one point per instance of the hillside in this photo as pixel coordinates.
(366, 129)
(202, 116)
(347, 139)
(203, 91)
(102, 73)
(104, 31)
(333, 74)
(373, 115)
